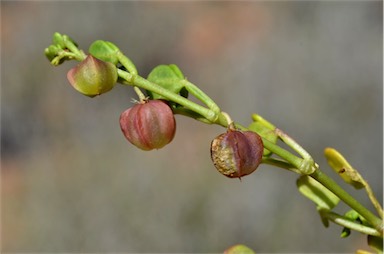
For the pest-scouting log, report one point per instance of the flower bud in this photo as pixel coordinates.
(236, 153)
(148, 125)
(93, 76)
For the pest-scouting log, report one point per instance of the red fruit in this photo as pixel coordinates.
(148, 125)
(237, 153)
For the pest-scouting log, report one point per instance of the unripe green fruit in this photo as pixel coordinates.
(93, 76)
(148, 125)
(239, 249)
(236, 153)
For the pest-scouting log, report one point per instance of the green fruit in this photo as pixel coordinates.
(93, 76)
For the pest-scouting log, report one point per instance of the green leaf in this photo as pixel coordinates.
(265, 129)
(104, 50)
(168, 77)
(341, 166)
(323, 198)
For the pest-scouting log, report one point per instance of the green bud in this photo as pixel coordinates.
(342, 167)
(93, 76)
(52, 51)
(60, 40)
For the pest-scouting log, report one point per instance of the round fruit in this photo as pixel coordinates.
(148, 125)
(236, 153)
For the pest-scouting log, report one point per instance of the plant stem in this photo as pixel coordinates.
(200, 95)
(221, 119)
(139, 93)
(292, 143)
(373, 199)
(210, 115)
(342, 221)
(127, 63)
(138, 81)
(280, 164)
(330, 184)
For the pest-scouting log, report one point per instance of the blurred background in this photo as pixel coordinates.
(70, 182)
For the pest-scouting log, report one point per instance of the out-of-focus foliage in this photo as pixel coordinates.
(71, 182)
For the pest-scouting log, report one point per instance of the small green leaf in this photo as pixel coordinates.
(316, 192)
(341, 166)
(104, 50)
(264, 129)
(239, 249)
(168, 77)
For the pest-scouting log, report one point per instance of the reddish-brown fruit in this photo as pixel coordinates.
(237, 153)
(148, 125)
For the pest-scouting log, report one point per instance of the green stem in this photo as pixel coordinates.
(200, 95)
(220, 119)
(140, 94)
(191, 114)
(292, 143)
(330, 184)
(127, 63)
(280, 164)
(308, 165)
(373, 199)
(73, 48)
(138, 81)
(342, 221)
(259, 118)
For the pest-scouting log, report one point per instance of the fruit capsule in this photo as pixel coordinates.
(93, 76)
(148, 125)
(236, 153)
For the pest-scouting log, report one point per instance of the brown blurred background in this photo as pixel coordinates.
(72, 183)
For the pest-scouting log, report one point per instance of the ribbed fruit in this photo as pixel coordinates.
(236, 153)
(93, 76)
(148, 125)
